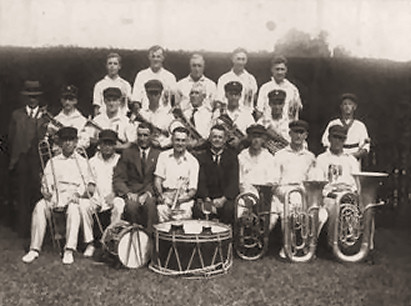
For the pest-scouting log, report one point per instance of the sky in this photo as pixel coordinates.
(366, 28)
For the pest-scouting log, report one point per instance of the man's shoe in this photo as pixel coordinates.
(30, 256)
(68, 258)
(89, 250)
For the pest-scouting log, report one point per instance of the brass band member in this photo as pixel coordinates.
(176, 178)
(291, 166)
(102, 166)
(336, 167)
(66, 183)
(133, 179)
(357, 140)
(218, 180)
(26, 128)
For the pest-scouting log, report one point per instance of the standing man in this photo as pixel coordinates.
(27, 127)
(239, 74)
(218, 179)
(357, 142)
(196, 76)
(133, 179)
(156, 56)
(112, 79)
(292, 104)
(176, 178)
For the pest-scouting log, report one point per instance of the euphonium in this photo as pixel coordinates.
(300, 221)
(352, 223)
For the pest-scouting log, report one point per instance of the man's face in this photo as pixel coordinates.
(156, 58)
(239, 60)
(298, 136)
(279, 71)
(276, 108)
(336, 143)
(143, 138)
(68, 146)
(217, 139)
(348, 107)
(233, 98)
(153, 96)
(107, 147)
(196, 97)
(113, 66)
(196, 68)
(68, 103)
(32, 101)
(112, 104)
(257, 141)
(180, 142)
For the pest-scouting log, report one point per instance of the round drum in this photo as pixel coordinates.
(192, 248)
(130, 243)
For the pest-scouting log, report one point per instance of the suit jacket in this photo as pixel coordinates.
(128, 175)
(216, 180)
(24, 134)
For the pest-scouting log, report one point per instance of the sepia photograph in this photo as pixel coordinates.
(208, 152)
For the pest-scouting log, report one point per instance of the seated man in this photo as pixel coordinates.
(62, 190)
(337, 168)
(176, 178)
(218, 179)
(102, 166)
(133, 179)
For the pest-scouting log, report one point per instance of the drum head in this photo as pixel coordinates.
(194, 227)
(134, 248)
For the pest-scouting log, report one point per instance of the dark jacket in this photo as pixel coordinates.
(128, 176)
(218, 180)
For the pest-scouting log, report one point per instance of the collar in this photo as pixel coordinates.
(74, 114)
(283, 82)
(29, 109)
(244, 72)
(300, 152)
(213, 152)
(111, 79)
(183, 157)
(62, 157)
(100, 157)
(202, 79)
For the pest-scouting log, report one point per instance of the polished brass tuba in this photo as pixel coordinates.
(251, 228)
(300, 220)
(351, 222)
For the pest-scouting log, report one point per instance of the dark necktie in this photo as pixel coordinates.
(143, 161)
(216, 158)
(195, 109)
(31, 115)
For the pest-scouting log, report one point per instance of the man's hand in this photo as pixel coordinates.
(132, 196)
(219, 202)
(74, 198)
(109, 199)
(143, 197)
(90, 190)
(234, 141)
(164, 212)
(46, 193)
(96, 110)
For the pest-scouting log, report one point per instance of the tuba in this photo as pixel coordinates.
(300, 220)
(352, 221)
(251, 222)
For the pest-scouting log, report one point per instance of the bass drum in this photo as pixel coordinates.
(129, 243)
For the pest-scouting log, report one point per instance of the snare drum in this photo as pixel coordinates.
(129, 243)
(192, 248)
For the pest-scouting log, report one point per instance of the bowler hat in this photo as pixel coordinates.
(32, 88)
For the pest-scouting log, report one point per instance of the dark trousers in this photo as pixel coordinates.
(224, 214)
(143, 214)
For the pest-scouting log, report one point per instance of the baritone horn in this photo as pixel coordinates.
(352, 221)
(300, 220)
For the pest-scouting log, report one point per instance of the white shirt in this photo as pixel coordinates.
(292, 167)
(174, 171)
(33, 112)
(292, 96)
(337, 169)
(67, 175)
(77, 120)
(164, 76)
(241, 117)
(185, 85)
(119, 124)
(103, 173)
(256, 170)
(106, 82)
(280, 126)
(202, 119)
(249, 87)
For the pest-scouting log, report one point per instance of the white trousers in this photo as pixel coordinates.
(87, 209)
(42, 212)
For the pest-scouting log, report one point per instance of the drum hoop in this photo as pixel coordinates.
(194, 237)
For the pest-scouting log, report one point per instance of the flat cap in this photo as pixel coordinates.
(349, 96)
(107, 135)
(298, 125)
(233, 86)
(338, 130)
(256, 130)
(153, 86)
(112, 92)
(67, 133)
(277, 94)
(69, 91)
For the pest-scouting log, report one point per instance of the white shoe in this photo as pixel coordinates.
(89, 251)
(68, 258)
(282, 254)
(30, 256)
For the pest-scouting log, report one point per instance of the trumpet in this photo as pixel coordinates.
(231, 127)
(136, 116)
(178, 114)
(94, 124)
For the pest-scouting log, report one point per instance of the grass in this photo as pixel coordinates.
(384, 279)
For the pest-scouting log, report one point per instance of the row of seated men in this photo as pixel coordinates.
(144, 185)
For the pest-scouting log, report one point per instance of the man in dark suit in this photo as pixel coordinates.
(133, 179)
(218, 178)
(27, 127)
